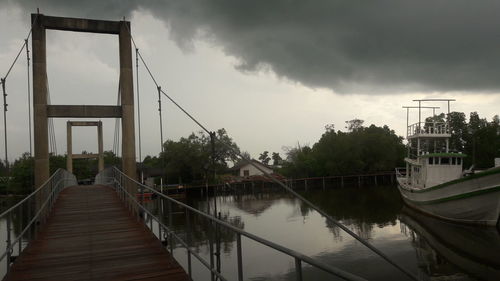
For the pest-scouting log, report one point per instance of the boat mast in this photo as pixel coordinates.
(420, 107)
(409, 144)
(447, 140)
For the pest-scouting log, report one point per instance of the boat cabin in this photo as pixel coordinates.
(432, 169)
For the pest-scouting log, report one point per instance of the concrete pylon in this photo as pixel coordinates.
(40, 120)
(69, 141)
(127, 100)
(43, 111)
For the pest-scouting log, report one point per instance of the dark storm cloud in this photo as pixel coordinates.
(348, 46)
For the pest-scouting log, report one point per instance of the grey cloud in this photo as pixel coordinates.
(348, 46)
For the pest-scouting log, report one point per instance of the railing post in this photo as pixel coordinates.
(217, 244)
(298, 269)
(239, 256)
(160, 216)
(211, 247)
(140, 212)
(8, 242)
(30, 202)
(170, 226)
(188, 242)
(21, 223)
(150, 222)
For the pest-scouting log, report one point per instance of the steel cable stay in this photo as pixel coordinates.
(24, 45)
(116, 137)
(29, 95)
(141, 166)
(3, 81)
(52, 134)
(284, 186)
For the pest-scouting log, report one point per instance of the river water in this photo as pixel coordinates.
(429, 248)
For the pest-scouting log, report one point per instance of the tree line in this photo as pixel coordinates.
(357, 150)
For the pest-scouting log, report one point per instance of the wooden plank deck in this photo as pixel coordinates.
(92, 236)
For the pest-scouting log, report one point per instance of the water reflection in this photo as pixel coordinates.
(280, 218)
(453, 251)
(430, 248)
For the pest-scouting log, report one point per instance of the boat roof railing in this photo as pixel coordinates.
(420, 107)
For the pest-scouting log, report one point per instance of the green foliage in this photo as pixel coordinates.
(193, 158)
(264, 157)
(276, 158)
(459, 130)
(22, 174)
(110, 159)
(362, 150)
(479, 139)
(351, 125)
(300, 163)
(57, 162)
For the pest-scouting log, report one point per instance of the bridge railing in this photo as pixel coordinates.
(122, 183)
(25, 218)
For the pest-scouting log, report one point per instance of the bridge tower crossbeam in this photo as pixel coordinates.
(43, 111)
(71, 156)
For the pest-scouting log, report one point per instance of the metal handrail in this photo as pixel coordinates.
(118, 179)
(398, 172)
(432, 128)
(52, 187)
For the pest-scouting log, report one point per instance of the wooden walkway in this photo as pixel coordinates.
(91, 236)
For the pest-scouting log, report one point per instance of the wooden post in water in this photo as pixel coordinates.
(342, 181)
(376, 180)
(305, 184)
(323, 183)
(359, 181)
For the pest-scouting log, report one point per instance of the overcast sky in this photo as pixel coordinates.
(272, 73)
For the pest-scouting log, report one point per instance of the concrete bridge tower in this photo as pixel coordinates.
(43, 111)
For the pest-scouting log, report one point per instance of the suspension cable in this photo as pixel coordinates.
(301, 198)
(2, 81)
(29, 95)
(138, 110)
(52, 133)
(115, 135)
(116, 143)
(162, 149)
(25, 44)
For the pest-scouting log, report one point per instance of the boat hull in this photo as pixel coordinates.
(474, 201)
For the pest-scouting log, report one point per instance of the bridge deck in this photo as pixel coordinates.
(91, 236)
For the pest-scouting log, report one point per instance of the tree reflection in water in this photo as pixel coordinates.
(374, 213)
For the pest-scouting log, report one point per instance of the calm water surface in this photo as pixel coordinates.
(431, 249)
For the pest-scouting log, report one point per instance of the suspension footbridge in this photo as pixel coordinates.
(106, 231)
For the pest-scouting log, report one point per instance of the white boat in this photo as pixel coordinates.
(434, 182)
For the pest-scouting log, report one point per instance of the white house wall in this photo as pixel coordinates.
(253, 171)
